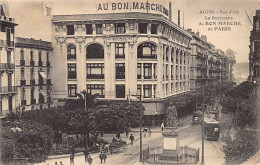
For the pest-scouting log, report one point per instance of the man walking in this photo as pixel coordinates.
(131, 138)
(86, 154)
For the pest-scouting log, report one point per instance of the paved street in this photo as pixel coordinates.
(190, 135)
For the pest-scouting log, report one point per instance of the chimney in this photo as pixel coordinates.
(204, 37)
(198, 33)
(170, 11)
(189, 30)
(179, 21)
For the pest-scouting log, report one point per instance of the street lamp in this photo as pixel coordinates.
(140, 121)
(202, 131)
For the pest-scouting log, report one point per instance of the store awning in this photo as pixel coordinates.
(154, 108)
(43, 75)
(43, 92)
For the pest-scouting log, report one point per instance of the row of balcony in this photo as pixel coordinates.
(22, 63)
(8, 89)
(7, 43)
(32, 82)
(208, 77)
(33, 101)
(6, 66)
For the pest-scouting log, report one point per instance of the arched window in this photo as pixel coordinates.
(146, 50)
(95, 51)
(71, 52)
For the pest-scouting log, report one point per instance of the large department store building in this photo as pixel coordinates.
(118, 55)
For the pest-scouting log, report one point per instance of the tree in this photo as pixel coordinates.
(34, 142)
(239, 149)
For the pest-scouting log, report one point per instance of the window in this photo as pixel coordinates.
(31, 54)
(147, 71)
(139, 89)
(154, 29)
(96, 89)
(72, 90)
(21, 54)
(89, 29)
(166, 71)
(120, 28)
(154, 71)
(95, 71)
(71, 52)
(154, 89)
(139, 71)
(120, 91)
(95, 51)
(120, 50)
(72, 72)
(32, 94)
(40, 56)
(99, 29)
(142, 28)
(147, 91)
(23, 95)
(70, 30)
(120, 71)
(8, 56)
(32, 74)
(171, 71)
(47, 57)
(8, 37)
(146, 50)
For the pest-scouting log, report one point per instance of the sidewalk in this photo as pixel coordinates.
(79, 157)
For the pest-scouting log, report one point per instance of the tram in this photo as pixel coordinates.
(211, 129)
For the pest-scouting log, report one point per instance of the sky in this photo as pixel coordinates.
(34, 24)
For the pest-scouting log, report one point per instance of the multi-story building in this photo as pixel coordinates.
(7, 67)
(118, 55)
(254, 55)
(209, 66)
(33, 73)
(205, 62)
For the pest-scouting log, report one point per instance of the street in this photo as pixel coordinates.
(189, 134)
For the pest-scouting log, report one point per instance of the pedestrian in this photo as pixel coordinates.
(104, 157)
(72, 154)
(102, 133)
(56, 163)
(132, 138)
(86, 154)
(101, 157)
(162, 126)
(149, 131)
(118, 135)
(61, 163)
(90, 160)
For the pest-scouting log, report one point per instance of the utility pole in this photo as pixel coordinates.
(141, 143)
(202, 131)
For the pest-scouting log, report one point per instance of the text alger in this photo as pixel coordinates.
(135, 6)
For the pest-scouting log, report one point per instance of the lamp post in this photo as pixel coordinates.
(202, 131)
(85, 108)
(140, 120)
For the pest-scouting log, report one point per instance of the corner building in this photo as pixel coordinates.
(119, 55)
(33, 73)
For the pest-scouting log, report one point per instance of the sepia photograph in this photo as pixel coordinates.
(129, 82)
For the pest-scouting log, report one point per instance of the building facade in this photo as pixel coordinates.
(254, 55)
(33, 73)
(7, 66)
(119, 55)
(205, 62)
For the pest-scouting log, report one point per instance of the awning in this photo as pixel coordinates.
(154, 108)
(43, 75)
(43, 92)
